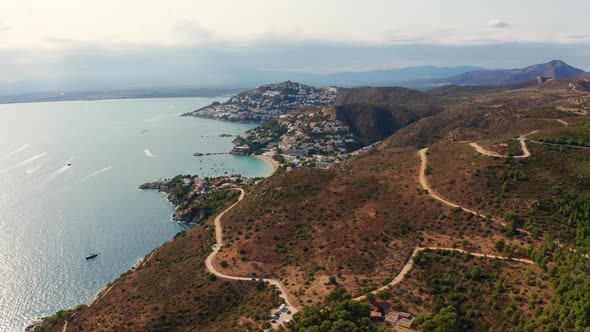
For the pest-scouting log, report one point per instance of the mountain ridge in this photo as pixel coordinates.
(551, 69)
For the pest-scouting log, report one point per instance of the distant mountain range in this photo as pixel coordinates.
(386, 77)
(552, 69)
(422, 77)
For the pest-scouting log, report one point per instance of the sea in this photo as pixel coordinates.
(69, 177)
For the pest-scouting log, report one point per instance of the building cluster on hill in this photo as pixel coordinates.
(267, 102)
(308, 137)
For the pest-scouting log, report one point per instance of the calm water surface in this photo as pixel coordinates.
(52, 214)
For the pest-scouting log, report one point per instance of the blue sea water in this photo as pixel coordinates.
(52, 214)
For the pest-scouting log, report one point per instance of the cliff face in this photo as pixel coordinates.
(375, 122)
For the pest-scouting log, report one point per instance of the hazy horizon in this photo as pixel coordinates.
(92, 45)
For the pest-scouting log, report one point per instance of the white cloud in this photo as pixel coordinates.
(495, 23)
(192, 31)
(4, 27)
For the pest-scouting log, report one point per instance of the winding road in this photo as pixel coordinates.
(423, 180)
(426, 186)
(522, 139)
(217, 247)
(410, 264)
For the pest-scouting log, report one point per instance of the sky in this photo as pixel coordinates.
(99, 43)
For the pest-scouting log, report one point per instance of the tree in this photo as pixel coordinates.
(384, 295)
(446, 320)
(499, 245)
(333, 280)
(341, 314)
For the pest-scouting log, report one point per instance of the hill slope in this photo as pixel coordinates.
(552, 69)
(355, 225)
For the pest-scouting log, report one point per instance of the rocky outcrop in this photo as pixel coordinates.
(195, 199)
(37, 325)
(241, 150)
(162, 185)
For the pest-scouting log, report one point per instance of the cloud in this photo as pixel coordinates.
(192, 31)
(499, 24)
(4, 27)
(79, 66)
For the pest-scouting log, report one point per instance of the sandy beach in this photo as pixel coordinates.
(268, 159)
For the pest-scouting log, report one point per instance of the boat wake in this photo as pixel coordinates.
(149, 154)
(23, 163)
(88, 177)
(33, 170)
(18, 150)
(56, 173)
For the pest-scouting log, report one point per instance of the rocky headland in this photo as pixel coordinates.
(196, 199)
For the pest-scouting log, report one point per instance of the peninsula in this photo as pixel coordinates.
(267, 102)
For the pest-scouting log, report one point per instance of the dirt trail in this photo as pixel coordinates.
(522, 139)
(217, 247)
(566, 145)
(565, 124)
(410, 264)
(426, 186)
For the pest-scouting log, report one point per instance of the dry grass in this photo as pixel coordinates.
(359, 222)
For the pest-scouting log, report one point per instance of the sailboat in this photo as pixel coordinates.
(91, 254)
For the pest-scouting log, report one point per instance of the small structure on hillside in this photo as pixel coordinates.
(376, 315)
(397, 318)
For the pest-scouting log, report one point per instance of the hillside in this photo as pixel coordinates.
(486, 228)
(371, 213)
(374, 122)
(383, 95)
(313, 136)
(267, 102)
(172, 291)
(552, 69)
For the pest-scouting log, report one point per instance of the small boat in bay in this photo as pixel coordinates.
(91, 255)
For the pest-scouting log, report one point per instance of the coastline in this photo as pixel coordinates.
(275, 164)
(98, 288)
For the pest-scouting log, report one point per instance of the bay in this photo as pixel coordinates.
(52, 214)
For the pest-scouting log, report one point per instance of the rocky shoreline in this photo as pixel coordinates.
(195, 198)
